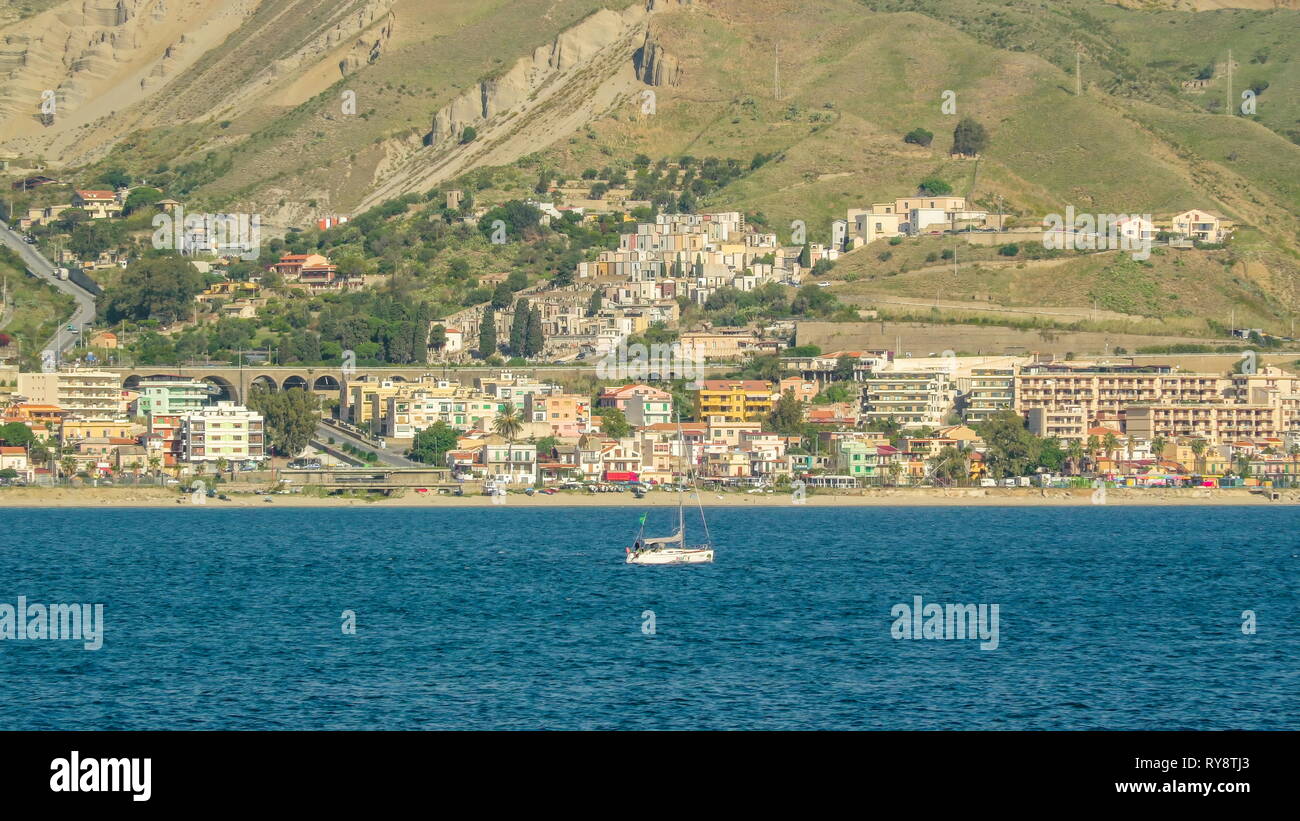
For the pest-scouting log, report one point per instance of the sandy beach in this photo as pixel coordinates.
(881, 497)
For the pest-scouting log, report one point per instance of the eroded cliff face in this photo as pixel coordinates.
(566, 56)
(114, 65)
(655, 66)
(369, 47)
(82, 51)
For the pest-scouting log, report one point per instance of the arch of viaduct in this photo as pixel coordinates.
(235, 383)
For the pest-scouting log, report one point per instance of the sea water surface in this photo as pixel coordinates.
(523, 618)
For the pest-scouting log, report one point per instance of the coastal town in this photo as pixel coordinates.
(738, 406)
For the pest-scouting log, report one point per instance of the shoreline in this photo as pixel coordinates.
(28, 498)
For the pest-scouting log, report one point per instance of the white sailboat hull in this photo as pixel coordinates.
(672, 555)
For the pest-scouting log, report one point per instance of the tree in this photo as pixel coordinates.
(935, 187)
(787, 415)
(430, 445)
(508, 422)
(1198, 450)
(969, 137)
(844, 369)
(438, 337)
(501, 296)
(16, 434)
(68, 466)
(8, 473)
(141, 198)
(594, 304)
(1011, 450)
(805, 256)
(949, 466)
(533, 340)
(614, 424)
(487, 334)
(519, 329)
(468, 135)
(288, 417)
(1110, 443)
(1075, 454)
(154, 287)
(919, 136)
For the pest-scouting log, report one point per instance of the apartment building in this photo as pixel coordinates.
(1106, 390)
(1066, 423)
(645, 411)
(621, 397)
(990, 390)
(913, 399)
(1216, 423)
(568, 414)
(172, 397)
(81, 391)
(735, 400)
(223, 431)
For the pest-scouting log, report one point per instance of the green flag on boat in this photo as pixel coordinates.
(643, 518)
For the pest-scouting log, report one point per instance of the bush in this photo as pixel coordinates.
(1009, 250)
(919, 136)
(934, 186)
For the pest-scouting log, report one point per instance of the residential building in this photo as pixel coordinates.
(172, 397)
(735, 400)
(82, 391)
(1202, 226)
(644, 411)
(990, 390)
(913, 399)
(620, 397)
(223, 431)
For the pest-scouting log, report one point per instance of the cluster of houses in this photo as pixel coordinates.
(89, 424)
(892, 418)
(930, 214)
(640, 283)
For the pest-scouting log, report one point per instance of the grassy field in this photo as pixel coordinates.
(1181, 292)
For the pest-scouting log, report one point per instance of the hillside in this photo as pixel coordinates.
(245, 105)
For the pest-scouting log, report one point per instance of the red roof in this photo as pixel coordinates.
(90, 194)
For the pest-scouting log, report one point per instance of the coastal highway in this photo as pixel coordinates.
(326, 432)
(83, 315)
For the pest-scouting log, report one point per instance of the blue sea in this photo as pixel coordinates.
(510, 618)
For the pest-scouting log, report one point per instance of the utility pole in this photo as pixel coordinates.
(1078, 70)
(776, 73)
(1228, 102)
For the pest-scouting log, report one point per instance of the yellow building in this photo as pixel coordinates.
(735, 400)
(74, 429)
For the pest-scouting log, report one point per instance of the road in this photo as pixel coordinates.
(326, 432)
(83, 315)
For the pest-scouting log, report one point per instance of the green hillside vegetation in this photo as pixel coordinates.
(37, 308)
(1191, 292)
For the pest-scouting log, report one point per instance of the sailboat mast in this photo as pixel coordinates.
(681, 450)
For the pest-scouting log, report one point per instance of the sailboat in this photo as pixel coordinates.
(673, 549)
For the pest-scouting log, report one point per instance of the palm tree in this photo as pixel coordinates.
(1094, 445)
(1111, 443)
(1198, 449)
(1075, 452)
(508, 422)
(1157, 446)
(154, 463)
(68, 464)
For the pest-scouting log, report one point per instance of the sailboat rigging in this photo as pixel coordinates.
(673, 549)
